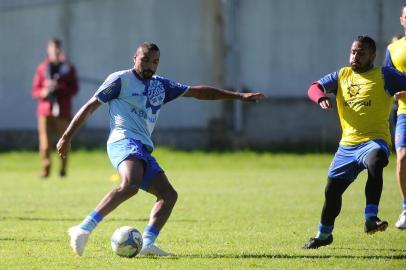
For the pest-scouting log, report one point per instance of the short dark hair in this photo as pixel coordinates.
(56, 41)
(368, 41)
(149, 45)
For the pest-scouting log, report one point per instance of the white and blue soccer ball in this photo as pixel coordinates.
(126, 241)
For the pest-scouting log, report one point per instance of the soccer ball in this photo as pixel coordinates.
(126, 241)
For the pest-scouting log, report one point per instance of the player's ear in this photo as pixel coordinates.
(373, 56)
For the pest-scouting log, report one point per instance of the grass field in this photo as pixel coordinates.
(235, 211)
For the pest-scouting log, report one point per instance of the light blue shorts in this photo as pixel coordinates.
(400, 134)
(349, 161)
(130, 148)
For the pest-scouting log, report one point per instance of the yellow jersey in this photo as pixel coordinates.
(396, 57)
(363, 104)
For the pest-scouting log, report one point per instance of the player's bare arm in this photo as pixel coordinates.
(204, 92)
(78, 120)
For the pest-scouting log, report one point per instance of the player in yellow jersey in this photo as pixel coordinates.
(396, 57)
(363, 94)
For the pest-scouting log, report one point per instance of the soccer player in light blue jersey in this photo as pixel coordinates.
(135, 97)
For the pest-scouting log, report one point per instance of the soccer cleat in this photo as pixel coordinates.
(78, 239)
(374, 224)
(316, 243)
(401, 223)
(153, 250)
(62, 173)
(44, 172)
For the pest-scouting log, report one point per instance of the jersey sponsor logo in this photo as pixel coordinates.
(144, 115)
(173, 84)
(107, 91)
(353, 91)
(353, 103)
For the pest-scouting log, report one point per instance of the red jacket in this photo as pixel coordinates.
(67, 87)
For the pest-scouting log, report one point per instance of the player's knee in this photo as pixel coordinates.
(377, 159)
(128, 190)
(170, 197)
(330, 192)
(401, 159)
(44, 150)
(335, 188)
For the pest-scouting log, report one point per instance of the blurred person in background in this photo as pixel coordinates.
(394, 113)
(135, 97)
(54, 85)
(363, 95)
(396, 58)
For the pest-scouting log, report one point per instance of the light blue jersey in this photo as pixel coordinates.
(134, 104)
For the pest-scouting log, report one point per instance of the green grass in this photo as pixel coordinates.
(235, 211)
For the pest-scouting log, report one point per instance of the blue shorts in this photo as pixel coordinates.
(400, 133)
(349, 161)
(128, 148)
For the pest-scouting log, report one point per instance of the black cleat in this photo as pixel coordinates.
(374, 224)
(316, 243)
(62, 173)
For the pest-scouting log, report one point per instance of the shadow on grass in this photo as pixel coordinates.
(277, 256)
(65, 219)
(287, 256)
(80, 219)
(30, 240)
(372, 249)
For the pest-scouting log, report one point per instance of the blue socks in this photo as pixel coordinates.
(404, 205)
(371, 210)
(149, 236)
(324, 231)
(91, 221)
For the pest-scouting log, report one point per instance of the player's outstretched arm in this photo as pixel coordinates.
(63, 145)
(204, 92)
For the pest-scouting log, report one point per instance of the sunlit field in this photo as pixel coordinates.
(240, 210)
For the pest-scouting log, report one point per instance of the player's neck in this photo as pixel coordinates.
(138, 76)
(365, 69)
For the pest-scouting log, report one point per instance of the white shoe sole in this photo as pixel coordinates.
(154, 251)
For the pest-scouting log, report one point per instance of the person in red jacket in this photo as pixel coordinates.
(54, 85)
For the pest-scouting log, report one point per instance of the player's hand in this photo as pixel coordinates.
(325, 103)
(51, 85)
(44, 93)
(399, 95)
(252, 97)
(63, 147)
